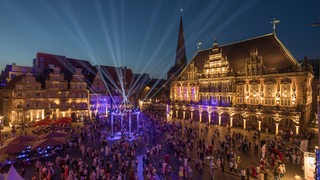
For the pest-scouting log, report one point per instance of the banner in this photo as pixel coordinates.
(309, 165)
(304, 145)
(263, 150)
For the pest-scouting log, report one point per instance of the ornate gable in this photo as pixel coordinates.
(217, 64)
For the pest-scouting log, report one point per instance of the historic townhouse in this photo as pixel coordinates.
(79, 96)
(98, 97)
(57, 87)
(62, 101)
(23, 100)
(254, 84)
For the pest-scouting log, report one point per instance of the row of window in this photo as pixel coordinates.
(39, 105)
(266, 101)
(78, 86)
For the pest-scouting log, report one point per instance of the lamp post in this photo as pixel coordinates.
(244, 116)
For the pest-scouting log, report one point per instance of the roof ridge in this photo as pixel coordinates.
(265, 35)
(257, 37)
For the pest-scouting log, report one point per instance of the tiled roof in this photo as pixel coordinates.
(67, 66)
(275, 57)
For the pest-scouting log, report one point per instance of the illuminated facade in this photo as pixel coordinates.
(253, 84)
(98, 97)
(67, 88)
(78, 96)
(11, 71)
(24, 99)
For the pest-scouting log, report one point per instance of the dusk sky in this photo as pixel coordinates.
(142, 34)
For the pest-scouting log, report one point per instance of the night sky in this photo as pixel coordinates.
(142, 34)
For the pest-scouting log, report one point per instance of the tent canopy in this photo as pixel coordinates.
(13, 174)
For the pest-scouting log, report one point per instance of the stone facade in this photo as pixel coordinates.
(253, 84)
(25, 100)
(57, 86)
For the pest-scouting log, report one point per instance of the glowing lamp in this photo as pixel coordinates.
(278, 98)
(261, 96)
(294, 96)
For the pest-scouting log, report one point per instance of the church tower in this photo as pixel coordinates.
(181, 58)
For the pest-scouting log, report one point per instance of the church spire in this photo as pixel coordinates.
(181, 58)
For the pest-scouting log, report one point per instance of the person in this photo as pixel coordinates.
(222, 164)
(23, 172)
(181, 173)
(211, 167)
(248, 173)
(235, 167)
(282, 170)
(231, 165)
(261, 176)
(243, 173)
(276, 173)
(266, 170)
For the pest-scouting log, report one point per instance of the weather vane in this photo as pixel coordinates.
(274, 22)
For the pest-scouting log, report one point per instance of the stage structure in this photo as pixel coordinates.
(125, 110)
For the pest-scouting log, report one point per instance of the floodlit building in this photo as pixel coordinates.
(23, 100)
(11, 71)
(255, 84)
(57, 87)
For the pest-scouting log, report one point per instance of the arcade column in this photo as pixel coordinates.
(130, 125)
(112, 125)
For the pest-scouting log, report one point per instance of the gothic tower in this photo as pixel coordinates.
(181, 58)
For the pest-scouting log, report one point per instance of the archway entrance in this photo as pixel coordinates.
(196, 115)
(205, 117)
(214, 118)
(225, 119)
(252, 122)
(237, 120)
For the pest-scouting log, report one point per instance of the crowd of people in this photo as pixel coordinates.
(178, 149)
